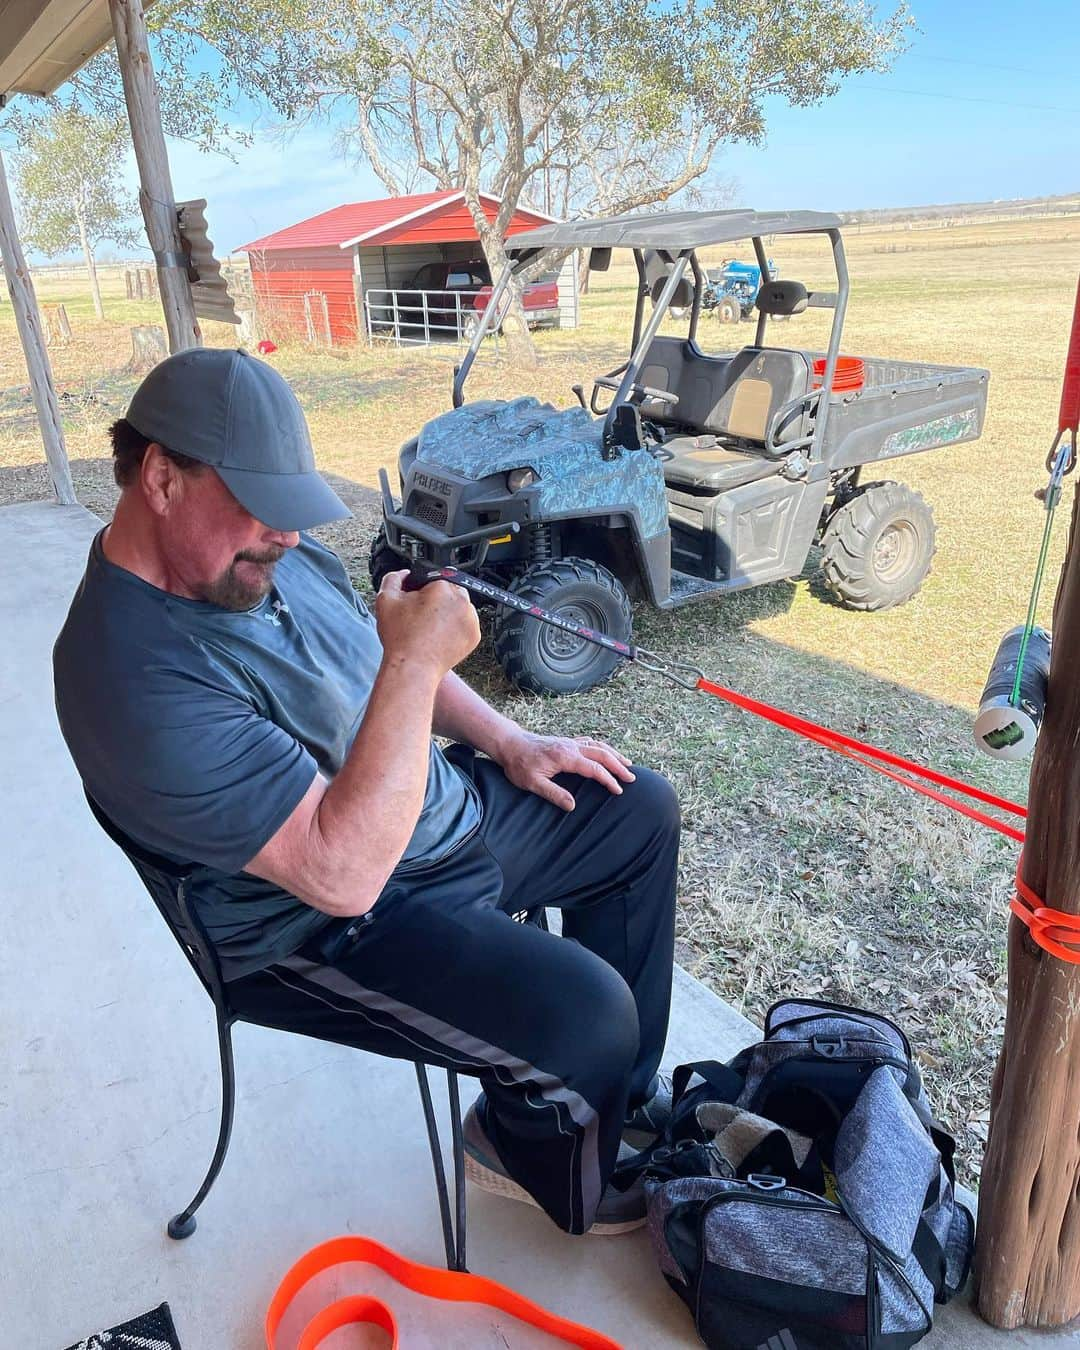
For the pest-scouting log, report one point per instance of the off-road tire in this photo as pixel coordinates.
(877, 548)
(382, 559)
(728, 309)
(545, 660)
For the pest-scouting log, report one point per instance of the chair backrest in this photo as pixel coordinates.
(677, 366)
(735, 396)
(761, 380)
(166, 883)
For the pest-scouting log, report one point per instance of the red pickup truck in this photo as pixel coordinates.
(457, 293)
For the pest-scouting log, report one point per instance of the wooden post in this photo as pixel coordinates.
(1028, 1247)
(156, 191)
(358, 299)
(28, 321)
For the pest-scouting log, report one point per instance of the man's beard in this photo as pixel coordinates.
(232, 591)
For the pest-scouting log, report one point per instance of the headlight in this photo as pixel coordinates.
(517, 479)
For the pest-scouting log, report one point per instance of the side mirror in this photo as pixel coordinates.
(599, 259)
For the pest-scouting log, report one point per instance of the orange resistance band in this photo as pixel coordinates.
(903, 771)
(1069, 413)
(449, 1285)
(1055, 931)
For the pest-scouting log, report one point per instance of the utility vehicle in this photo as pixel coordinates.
(702, 475)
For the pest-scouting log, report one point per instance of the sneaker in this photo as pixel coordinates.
(618, 1212)
(650, 1119)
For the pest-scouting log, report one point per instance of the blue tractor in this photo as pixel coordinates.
(732, 288)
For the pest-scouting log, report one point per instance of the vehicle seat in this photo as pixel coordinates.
(716, 432)
(702, 462)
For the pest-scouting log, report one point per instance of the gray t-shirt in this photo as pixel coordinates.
(198, 730)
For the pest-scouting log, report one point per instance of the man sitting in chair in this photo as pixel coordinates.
(230, 702)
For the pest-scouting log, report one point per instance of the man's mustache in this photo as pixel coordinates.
(272, 555)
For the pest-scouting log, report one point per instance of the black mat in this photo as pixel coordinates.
(152, 1331)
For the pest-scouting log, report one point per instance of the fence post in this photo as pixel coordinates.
(326, 319)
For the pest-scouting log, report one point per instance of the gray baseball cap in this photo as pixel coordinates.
(236, 413)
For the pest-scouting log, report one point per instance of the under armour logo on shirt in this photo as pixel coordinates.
(274, 615)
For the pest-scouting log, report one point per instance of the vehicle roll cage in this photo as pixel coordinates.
(677, 263)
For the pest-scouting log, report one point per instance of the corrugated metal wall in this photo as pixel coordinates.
(282, 277)
(568, 292)
(454, 223)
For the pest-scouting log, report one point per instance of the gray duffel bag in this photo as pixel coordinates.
(802, 1196)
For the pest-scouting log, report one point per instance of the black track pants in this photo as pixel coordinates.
(565, 1035)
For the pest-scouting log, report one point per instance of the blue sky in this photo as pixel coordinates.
(985, 105)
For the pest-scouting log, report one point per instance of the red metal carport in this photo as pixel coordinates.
(346, 252)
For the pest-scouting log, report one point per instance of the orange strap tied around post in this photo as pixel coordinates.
(448, 1285)
(1054, 930)
(903, 771)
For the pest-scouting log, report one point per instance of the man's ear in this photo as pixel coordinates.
(160, 478)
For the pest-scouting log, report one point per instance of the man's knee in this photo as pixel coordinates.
(655, 800)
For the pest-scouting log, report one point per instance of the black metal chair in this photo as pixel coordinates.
(167, 885)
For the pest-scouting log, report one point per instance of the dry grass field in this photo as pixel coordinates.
(801, 873)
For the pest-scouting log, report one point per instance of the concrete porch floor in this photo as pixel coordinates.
(109, 1097)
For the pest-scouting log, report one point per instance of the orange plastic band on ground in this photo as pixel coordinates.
(434, 1282)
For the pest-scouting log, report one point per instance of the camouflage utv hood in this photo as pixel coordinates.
(561, 445)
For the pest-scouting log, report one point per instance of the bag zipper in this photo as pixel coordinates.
(876, 1062)
(877, 1252)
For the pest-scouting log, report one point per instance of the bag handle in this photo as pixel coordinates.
(449, 1285)
(720, 1077)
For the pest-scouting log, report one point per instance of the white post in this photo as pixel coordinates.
(28, 320)
(156, 190)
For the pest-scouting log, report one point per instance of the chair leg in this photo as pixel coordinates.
(458, 1142)
(182, 1225)
(455, 1252)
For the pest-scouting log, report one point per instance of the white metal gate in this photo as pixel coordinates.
(410, 317)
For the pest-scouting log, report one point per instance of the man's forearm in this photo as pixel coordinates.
(462, 715)
(369, 812)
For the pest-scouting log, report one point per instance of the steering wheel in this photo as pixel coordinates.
(637, 393)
